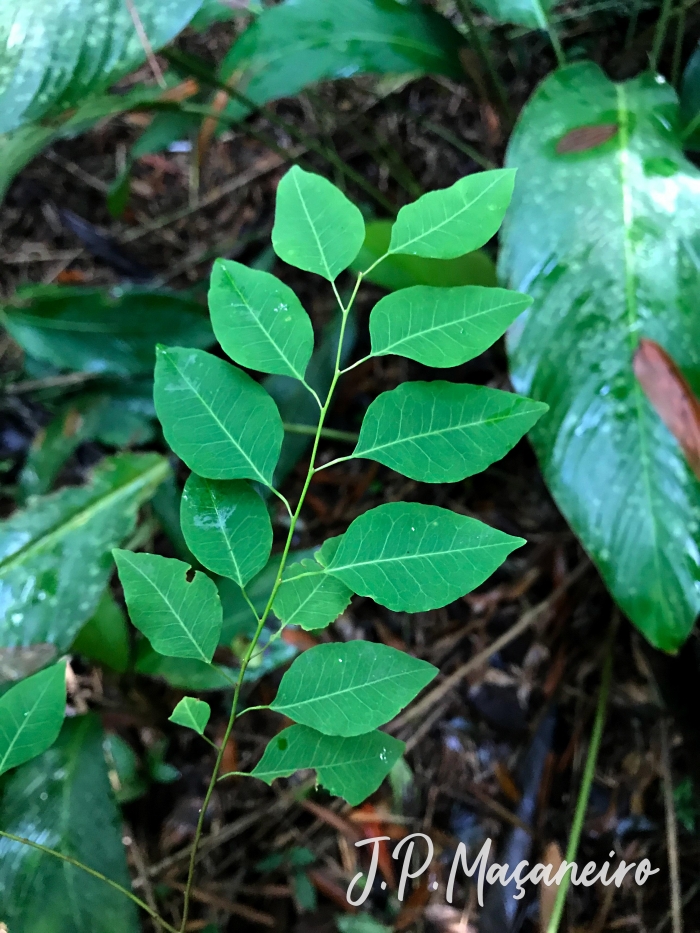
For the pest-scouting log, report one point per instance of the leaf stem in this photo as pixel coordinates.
(660, 35)
(328, 433)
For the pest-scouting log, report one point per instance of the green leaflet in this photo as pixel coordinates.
(226, 526)
(63, 800)
(531, 13)
(448, 223)
(181, 619)
(258, 320)
(215, 417)
(192, 714)
(31, 715)
(316, 227)
(411, 557)
(441, 432)
(310, 597)
(351, 768)
(611, 258)
(105, 637)
(443, 326)
(55, 555)
(351, 688)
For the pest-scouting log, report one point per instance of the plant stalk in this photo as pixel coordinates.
(660, 35)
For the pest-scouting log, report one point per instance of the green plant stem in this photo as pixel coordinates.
(329, 433)
(678, 49)
(588, 775)
(660, 35)
(477, 42)
(95, 874)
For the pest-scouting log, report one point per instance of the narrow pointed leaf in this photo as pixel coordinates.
(351, 768)
(441, 432)
(310, 597)
(350, 688)
(411, 557)
(192, 714)
(226, 526)
(443, 326)
(216, 418)
(31, 715)
(259, 321)
(316, 227)
(181, 619)
(448, 223)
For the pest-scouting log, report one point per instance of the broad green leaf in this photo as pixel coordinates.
(443, 327)
(127, 417)
(92, 331)
(316, 227)
(105, 637)
(180, 618)
(531, 13)
(192, 714)
(441, 432)
(64, 800)
(54, 55)
(324, 555)
(310, 597)
(55, 555)
(351, 768)
(609, 259)
(183, 673)
(399, 271)
(31, 715)
(350, 688)
(411, 557)
(294, 44)
(453, 221)
(216, 418)
(258, 320)
(226, 526)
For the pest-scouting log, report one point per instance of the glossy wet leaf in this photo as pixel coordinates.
(411, 557)
(453, 221)
(258, 320)
(226, 526)
(54, 55)
(442, 326)
(31, 715)
(351, 768)
(55, 555)
(350, 688)
(609, 257)
(192, 714)
(442, 432)
(531, 13)
(310, 597)
(216, 418)
(316, 227)
(64, 800)
(91, 330)
(105, 637)
(180, 618)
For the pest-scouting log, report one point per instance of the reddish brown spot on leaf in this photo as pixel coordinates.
(668, 391)
(584, 138)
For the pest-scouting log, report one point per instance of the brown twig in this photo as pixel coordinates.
(147, 47)
(671, 831)
(237, 910)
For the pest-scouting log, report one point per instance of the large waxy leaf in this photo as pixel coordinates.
(441, 432)
(411, 557)
(443, 326)
(609, 258)
(64, 800)
(531, 13)
(180, 618)
(216, 418)
(93, 331)
(226, 526)
(350, 688)
(258, 320)
(310, 597)
(53, 55)
(351, 768)
(55, 555)
(316, 227)
(31, 714)
(456, 220)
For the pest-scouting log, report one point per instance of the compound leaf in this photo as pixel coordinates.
(316, 227)
(411, 557)
(192, 714)
(310, 597)
(31, 715)
(441, 432)
(350, 688)
(215, 417)
(181, 619)
(226, 526)
(259, 321)
(351, 768)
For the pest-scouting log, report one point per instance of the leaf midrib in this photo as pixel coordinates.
(320, 248)
(25, 722)
(422, 556)
(352, 689)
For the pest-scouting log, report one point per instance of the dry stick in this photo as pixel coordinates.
(147, 47)
(51, 382)
(528, 618)
(221, 903)
(671, 831)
